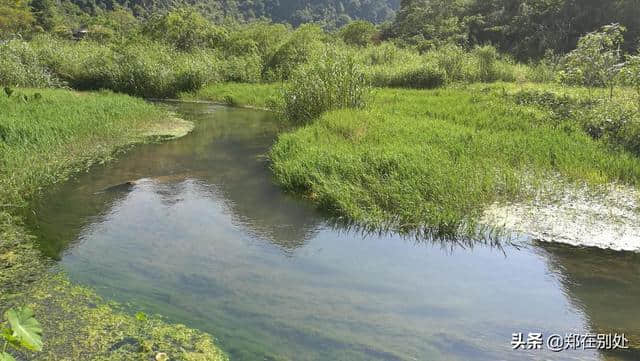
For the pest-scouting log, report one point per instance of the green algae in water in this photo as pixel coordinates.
(203, 236)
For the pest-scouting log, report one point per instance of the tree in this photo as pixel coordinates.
(186, 29)
(46, 14)
(358, 33)
(15, 17)
(597, 60)
(428, 23)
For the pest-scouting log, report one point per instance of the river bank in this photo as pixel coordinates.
(433, 161)
(48, 136)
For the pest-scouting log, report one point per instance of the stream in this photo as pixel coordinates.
(201, 235)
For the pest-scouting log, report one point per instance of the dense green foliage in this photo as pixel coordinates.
(180, 50)
(165, 63)
(615, 122)
(433, 160)
(332, 81)
(15, 16)
(330, 14)
(406, 159)
(524, 28)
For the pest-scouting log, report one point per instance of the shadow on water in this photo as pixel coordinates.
(605, 285)
(195, 229)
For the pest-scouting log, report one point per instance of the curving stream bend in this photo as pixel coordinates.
(202, 236)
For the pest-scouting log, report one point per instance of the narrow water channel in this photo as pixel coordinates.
(202, 236)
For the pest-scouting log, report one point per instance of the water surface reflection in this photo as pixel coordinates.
(203, 236)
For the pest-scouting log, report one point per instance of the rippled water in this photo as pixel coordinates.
(202, 236)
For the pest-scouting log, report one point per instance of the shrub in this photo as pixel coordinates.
(358, 33)
(186, 29)
(138, 68)
(612, 122)
(16, 17)
(264, 37)
(331, 80)
(594, 61)
(301, 46)
(424, 77)
(486, 58)
(388, 53)
(631, 75)
(615, 123)
(545, 70)
(21, 66)
(451, 59)
(242, 69)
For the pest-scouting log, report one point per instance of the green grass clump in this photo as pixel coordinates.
(424, 77)
(21, 66)
(432, 160)
(141, 68)
(615, 122)
(330, 81)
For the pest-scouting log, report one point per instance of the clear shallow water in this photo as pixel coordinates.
(205, 238)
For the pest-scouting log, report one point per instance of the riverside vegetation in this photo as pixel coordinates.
(395, 126)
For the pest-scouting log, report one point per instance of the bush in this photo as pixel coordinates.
(424, 77)
(330, 81)
(387, 54)
(612, 122)
(594, 62)
(301, 46)
(358, 33)
(242, 69)
(615, 123)
(186, 29)
(21, 66)
(545, 70)
(631, 75)
(451, 59)
(139, 68)
(486, 58)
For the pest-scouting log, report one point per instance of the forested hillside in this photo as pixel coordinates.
(525, 28)
(329, 12)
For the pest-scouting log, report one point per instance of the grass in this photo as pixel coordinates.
(49, 136)
(45, 137)
(238, 94)
(432, 160)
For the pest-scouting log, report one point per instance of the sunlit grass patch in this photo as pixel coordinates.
(433, 160)
(45, 135)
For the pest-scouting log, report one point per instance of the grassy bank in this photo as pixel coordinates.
(238, 94)
(432, 160)
(45, 137)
